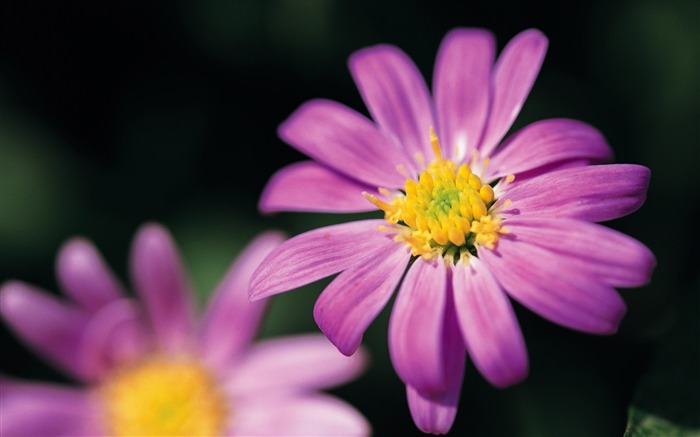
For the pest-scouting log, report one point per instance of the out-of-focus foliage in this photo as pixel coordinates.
(666, 401)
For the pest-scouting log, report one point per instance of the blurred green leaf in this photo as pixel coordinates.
(38, 183)
(645, 424)
(211, 239)
(667, 399)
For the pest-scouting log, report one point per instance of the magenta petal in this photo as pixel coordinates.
(592, 193)
(42, 410)
(515, 72)
(543, 281)
(435, 412)
(316, 254)
(354, 299)
(461, 87)
(160, 279)
(303, 416)
(114, 335)
(416, 326)
(549, 142)
(600, 252)
(396, 95)
(84, 275)
(231, 321)
(49, 326)
(308, 186)
(346, 141)
(489, 327)
(299, 363)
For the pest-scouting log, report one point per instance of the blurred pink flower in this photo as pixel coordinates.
(149, 367)
(469, 220)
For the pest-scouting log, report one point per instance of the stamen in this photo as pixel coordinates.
(502, 184)
(446, 210)
(384, 191)
(486, 193)
(376, 201)
(435, 144)
(498, 207)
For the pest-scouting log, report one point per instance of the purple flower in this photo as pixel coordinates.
(150, 367)
(470, 219)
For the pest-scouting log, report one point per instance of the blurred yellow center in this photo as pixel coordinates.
(163, 396)
(444, 212)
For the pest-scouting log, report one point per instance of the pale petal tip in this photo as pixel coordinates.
(617, 321)
(363, 356)
(514, 377)
(646, 265)
(468, 32)
(345, 346)
(359, 56)
(75, 247)
(152, 233)
(535, 34)
(271, 236)
(10, 295)
(289, 123)
(256, 292)
(431, 415)
(152, 240)
(254, 296)
(74, 254)
(612, 325)
(264, 206)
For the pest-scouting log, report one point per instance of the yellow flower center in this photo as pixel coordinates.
(447, 211)
(163, 396)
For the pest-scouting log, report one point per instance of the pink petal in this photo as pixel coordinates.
(309, 415)
(416, 326)
(160, 280)
(231, 321)
(549, 142)
(49, 326)
(515, 72)
(461, 87)
(299, 363)
(600, 252)
(396, 95)
(543, 281)
(316, 254)
(345, 141)
(489, 326)
(523, 177)
(114, 335)
(592, 193)
(354, 299)
(435, 412)
(84, 275)
(40, 410)
(309, 186)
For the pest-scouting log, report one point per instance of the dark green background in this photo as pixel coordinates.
(114, 114)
